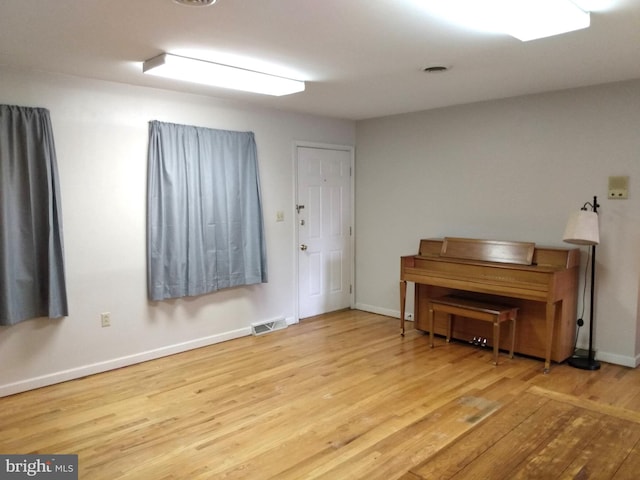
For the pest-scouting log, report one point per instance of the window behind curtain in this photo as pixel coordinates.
(32, 279)
(204, 216)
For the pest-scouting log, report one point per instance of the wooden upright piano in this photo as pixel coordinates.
(542, 282)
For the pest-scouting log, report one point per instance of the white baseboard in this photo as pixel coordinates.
(614, 358)
(83, 371)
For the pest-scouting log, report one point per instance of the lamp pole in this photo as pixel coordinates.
(590, 362)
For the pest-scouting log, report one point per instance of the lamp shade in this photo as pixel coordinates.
(582, 228)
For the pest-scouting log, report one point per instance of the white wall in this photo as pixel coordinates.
(101, 133)
(511, 169)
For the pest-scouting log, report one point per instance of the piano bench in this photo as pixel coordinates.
(478, 310)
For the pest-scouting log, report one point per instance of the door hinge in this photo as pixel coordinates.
(350, 288)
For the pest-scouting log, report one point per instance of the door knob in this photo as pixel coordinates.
(303, 247)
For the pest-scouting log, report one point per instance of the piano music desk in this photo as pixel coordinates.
(469, 308)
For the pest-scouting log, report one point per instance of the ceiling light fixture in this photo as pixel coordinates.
(523, 19)
(219, 75)
(533, 19)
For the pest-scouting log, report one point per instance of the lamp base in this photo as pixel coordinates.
(584, 363)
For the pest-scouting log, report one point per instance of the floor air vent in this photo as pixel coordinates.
(269, 326)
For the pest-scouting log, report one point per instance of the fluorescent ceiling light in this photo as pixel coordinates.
(532, 19)
(523, 19)
(218, 75)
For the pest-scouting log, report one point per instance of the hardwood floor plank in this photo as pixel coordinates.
(618, 412)
(611, 385)
(602, 454)
(548, 459)
(341, 395)
(451, 461)
(630, 466)
(503, 458)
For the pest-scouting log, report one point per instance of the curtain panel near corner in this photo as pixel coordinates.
(205, 228)
(32, 278)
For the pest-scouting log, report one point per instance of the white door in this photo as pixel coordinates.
(324, 230)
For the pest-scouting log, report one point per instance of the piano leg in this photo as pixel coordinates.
(551, 316)
(431, 322)
(496, 340)
(513, 336)
(403, 298)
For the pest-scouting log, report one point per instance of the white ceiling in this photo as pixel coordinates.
(361, 58)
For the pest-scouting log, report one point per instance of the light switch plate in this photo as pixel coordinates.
(618, 188)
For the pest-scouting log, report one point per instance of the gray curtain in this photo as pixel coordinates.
(32, 279)
(204, 215)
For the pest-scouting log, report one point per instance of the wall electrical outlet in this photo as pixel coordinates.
(105, 319)
(408, 316)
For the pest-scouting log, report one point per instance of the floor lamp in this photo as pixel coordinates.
(582, 229)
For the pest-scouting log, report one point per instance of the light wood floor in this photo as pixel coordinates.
(341, 396)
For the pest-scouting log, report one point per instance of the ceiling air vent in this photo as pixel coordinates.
(435, 69)
(195, 3)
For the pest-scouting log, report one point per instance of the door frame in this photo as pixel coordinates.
(296, 267)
